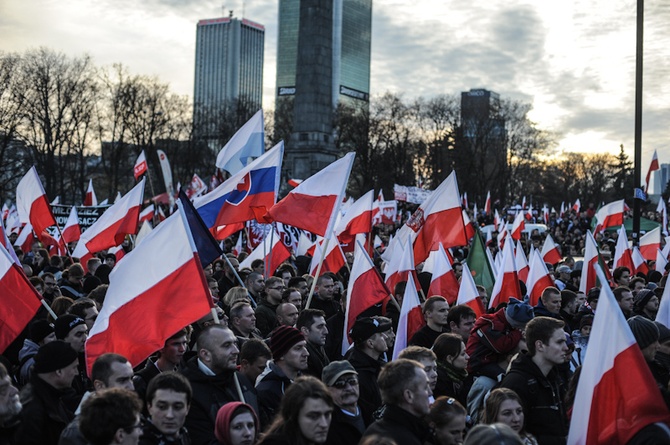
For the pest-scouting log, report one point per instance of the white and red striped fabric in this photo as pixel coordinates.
(438, 220)
(272, 251)
(577, 206)
(550, 253)
(469, 228)
(305, 244)
(468, 293)
(118, 252)
(32, 203)
(609, 215)
(507, 280)
(443, 281)
(25, 239)
(237, 248)
(333, 260)
(487, 205)
(622, 253)
(90, 199)
(650, 242)
(7, 244)
(538, 278)
(294, 182)
(147, 214)
(358, 219)
(518, 226)
(121, 219)
(401, 265)
(140, 167)
(639, 262)
(663, 211)
(313, 205)
(522, 267)
(158, 289)
(410, 314)
(653, 166)
(617, 394)
(72, 231)
(588, 278)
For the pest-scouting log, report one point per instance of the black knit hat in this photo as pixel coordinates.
(282, 339)
(366, 327)
(65, 323)
(644, 330)
(53, 356)
(663, 331)
(39, 329)
(642, 298)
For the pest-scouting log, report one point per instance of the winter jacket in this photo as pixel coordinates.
(370, 398)
(317, 360)
(425, 337)
(266, 317)
(26, 360)
(151, 436)
(401, 426)
(344, 429)
(270, 387)
(491, 340)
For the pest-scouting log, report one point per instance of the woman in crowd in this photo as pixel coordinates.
(504, 406)
(447, 419)
(452, 361)
(236, 424)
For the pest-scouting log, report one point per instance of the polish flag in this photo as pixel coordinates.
(275, 249)
(401, 265)
(518, 226)
(469, 228)
(90, 199)
(443, 281)
(161, 214)
(294, 182)
(157, 290)
(489, 238)
(376, 208)
(562, 212)
(496, 220)
(20, 300)
(438, 220)
(118, 252)
(116, 222)
(550, 253)
(72, 231)
(410, 315)
(365, 290)
(622, 253)
(237, 249)
(661, 262)
(313, 205)
(529, 213)
(650, 242)
(662, 210)
(147, 214)
(609, 215)
(591, 258)
(468, 293)
(522, 266)
(25, 239)
(32, 204)
(652, 167)
(465, 200)
(545, 214)
(487, 206)
(304, 245)
(7, 244)
(538, 278)
(140, 167)
(639, 262)
(358, 219)
(333, 260)
(616, 394)
(502, 236)
(5, 211)
(577, 206)
(523, 202)
(507, 280)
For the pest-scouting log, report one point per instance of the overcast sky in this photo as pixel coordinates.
(574, 60)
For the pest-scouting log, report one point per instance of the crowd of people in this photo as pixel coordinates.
(268, 369)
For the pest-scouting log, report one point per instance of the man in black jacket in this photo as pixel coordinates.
(346, 425)
(535, 378)
(312, 324)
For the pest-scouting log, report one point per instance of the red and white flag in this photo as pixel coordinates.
(196, 188)
(550, 253)
(444, 281)
(662, 210)
(158, 289)
(32, 203)
(577, 206)
(358, 219)
(90, 199)
(365, 290)
(487, 205)
(7, 244)
(650, 242)
(410, 320)
(663, 314)
(147, 214)
(529, 213)
(502, 236)
(523, 202)
(465, 200)
(609, 215)
(616, 394)
(294, 182)
(333, 259)
(118, 252)
(538, 278)
(652, 167)
(469, 228)
(121, 219)
(305, 244)
(72, 231)
(438, 220)
(545, 214)
(468, 293)
(496, 220)
(401, 264)
(661, 262)
(25, 239)
(507, 280)
(313, 205)
(518, 226)
(522, 267)
(272, 251)
(639, 262)
(588, 279)
(622, 253)
(140, 167)
(237, 249)
(20, 300)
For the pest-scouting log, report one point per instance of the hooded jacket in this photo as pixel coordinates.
(370, 398)
(271, 386)
(401, 426)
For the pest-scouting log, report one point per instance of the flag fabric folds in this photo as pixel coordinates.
(518, 226)
(650, 242)
(408, 311)
(507, 281)
(72, 231)
(140, 167)
(358, 219)
(90, 199)
(32, 203)
(550, 253)
(272, 251)
(248, 142)
(522, 267)
(443, 281)
(479, 265)
(155, 291)
(653, 166)
(538, 278)
(617, 394)
(609, 215)
(313, 205)
(468, 294)
(622, 253)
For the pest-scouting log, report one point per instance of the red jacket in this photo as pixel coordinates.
(491, 340)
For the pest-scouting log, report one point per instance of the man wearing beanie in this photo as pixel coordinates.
(73, 331)
(645, 304)
(494, 336)
(49, 400)
(40, 332)
(289, 360)
(646, 335)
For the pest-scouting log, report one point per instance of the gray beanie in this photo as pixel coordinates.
(644, 330)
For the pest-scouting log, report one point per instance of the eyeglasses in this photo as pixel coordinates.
(341, 384)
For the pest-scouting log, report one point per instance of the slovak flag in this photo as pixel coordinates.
(32, 204)
(90, 199)
(248, 142)
(119, 220)
(276, 251)
(244, 196)
(313, 205)
(72, 231)
(358, 219)
(155, 291)
(410, 319)
(507, 279)
(650, 242)
(468, 293)
(609, 215)
(140, 167)
(550, 253)
(616, 395)
(438, 220)
(443, 281)
(20, 300)
(538, 278)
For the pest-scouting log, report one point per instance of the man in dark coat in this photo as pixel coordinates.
(346, 425)
(312, 324)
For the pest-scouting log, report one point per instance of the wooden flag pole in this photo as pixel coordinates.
(318, 271)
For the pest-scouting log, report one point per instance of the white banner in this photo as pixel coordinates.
(413, 195)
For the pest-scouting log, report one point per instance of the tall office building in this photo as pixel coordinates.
(228, 68)
(323, 57)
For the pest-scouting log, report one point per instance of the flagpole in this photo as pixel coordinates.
(225, 257)
(67, 249)
(268, 257)
(360, 246)
(318, 271)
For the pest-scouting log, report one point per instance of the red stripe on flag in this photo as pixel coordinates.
(113, 235)
(18, 305)
(311, 213)
(40, 215)
(444, 227)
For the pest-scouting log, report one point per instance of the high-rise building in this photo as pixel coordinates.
(228, 71)
(323, 57)
(660, 179)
